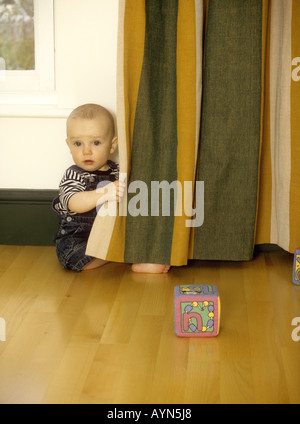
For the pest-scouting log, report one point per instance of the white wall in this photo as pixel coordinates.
(33, 153)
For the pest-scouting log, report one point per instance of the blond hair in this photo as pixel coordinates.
(91, 111)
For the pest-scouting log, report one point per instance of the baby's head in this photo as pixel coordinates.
(91, 136)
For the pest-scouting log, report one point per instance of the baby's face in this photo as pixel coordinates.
(90, 142)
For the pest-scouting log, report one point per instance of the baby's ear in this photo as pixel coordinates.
(114, 144)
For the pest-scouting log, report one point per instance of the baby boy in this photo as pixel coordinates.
(91, 139)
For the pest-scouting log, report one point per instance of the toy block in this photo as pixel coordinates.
(196, 310)
(296, 267)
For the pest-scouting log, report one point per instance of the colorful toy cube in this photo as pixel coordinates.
(196, 310)
(296, 267)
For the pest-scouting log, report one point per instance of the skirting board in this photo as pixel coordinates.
(26, 217)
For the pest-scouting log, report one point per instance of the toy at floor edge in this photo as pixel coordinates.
(296, 267)
(197, 310)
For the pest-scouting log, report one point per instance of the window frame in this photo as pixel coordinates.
(33, 87)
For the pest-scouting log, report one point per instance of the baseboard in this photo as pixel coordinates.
(26, 217)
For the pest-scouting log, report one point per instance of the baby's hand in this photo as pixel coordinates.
(119, 190)
(112, 192)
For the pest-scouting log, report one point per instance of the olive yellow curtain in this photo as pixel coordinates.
(207, 112)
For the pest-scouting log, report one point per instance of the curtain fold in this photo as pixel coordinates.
(279, 199)
(207, 113)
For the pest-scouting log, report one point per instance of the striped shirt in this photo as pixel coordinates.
(76, 179)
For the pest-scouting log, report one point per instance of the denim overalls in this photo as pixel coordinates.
(74, 230)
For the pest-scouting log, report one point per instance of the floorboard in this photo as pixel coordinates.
(107, 336)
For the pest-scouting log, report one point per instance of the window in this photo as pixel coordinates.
(17, 34)
(26, 53)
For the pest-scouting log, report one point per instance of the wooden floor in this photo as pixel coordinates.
(107, 336)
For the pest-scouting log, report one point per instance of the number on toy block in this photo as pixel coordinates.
(196, 310)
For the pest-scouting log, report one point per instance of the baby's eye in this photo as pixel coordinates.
(77, 143)
(97, 142)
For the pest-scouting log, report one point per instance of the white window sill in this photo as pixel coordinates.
(39, 105)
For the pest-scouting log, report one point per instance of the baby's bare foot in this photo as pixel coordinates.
(150, 268)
